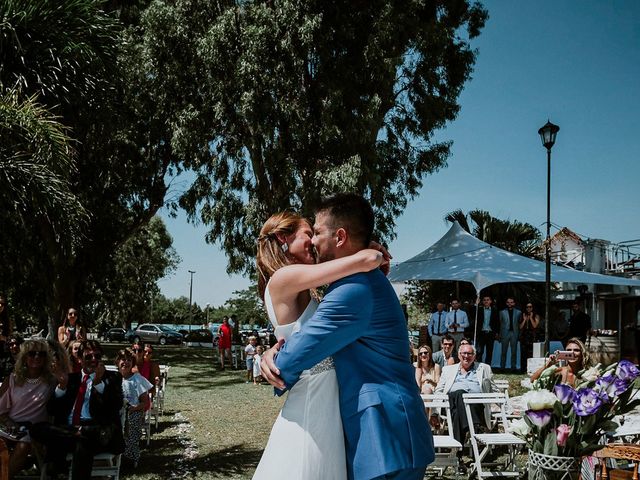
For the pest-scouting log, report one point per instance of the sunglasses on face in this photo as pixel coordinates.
(466, 354)
(92, 356)
(447, 344)
(136, 350)
(36, 353)
(424, 354)
(71, 314)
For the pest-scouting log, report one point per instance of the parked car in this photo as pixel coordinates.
(115, 335)
(156, 333)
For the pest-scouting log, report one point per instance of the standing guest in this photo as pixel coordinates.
(5, 322)
(25, 401)
(457, 321)
(579, 323)
(9, 357)
(74, 356)
(437, 326)
(224, 341)
(528, 334)
(257, 375)
(250, 351)
(86, 409)
(427, 372)
(135, 389)
(487, 329)
(59, 357)
(509, 331)
(445, 356)
(71, 329)
(146, 366)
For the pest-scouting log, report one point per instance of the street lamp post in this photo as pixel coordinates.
(207, 315)
(190, 296)
(548, 136)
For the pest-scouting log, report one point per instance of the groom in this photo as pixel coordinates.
(361, 324)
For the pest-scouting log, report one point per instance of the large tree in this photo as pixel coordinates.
(285, 101)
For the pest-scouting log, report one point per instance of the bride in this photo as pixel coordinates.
(306, 441)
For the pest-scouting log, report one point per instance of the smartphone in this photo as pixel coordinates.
(564, 355)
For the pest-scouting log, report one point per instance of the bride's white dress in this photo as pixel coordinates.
(306, 441)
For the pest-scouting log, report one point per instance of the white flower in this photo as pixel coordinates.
(539, 399)
(591, 374)
(519, 427)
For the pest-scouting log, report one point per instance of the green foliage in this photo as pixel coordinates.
(282, 102)
(130, 285)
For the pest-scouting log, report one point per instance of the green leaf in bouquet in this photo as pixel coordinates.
(550, 443)
(558, 410)
(537, 445)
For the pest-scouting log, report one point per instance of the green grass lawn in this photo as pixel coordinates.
(215, 425)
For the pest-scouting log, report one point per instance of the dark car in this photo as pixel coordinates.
(115, 335)
(157, 333)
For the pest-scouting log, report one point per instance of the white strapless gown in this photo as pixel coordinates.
(306, 441)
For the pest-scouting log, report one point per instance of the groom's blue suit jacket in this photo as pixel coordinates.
(361, 324)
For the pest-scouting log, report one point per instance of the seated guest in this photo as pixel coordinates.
(146, 366)
(25, 401)
(427, 372)
(568, 373)
(74, 356)
(86, 409)
(135, 389)
(468, 376)
(445, 356)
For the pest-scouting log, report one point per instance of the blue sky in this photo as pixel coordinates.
(576, 63)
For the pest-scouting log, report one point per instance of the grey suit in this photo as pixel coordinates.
(509, 333)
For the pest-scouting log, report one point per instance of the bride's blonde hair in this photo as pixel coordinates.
(271, 256)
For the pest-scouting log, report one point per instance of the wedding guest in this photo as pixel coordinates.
(528, 334)
(25, 401)
(224, 341)
(445, 356)
(509, 332)
(486, 329)
(457, 321)
(437, 326)
(250, 351)
(146, 366)
(427, 372)
(71, 329)
(74, 356)
(135, 389)
(86, 410)
(568, 372)
(257, 376)
(579, 323)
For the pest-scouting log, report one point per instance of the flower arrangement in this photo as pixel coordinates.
(564, 421)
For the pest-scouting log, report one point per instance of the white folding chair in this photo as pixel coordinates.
(502, 386)
(446, 446)
(490, 440)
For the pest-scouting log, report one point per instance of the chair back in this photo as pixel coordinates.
(440, 401)
(487, 399)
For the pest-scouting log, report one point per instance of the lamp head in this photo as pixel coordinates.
(548, 134)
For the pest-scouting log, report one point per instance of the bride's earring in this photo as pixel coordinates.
(285, 247)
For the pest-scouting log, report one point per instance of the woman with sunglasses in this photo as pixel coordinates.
(25, 401)
(427, 372)
(71, 329)
(528, 334)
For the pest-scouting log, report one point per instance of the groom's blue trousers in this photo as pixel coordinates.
(410, 474)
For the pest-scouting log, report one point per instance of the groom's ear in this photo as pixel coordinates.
(341, 237)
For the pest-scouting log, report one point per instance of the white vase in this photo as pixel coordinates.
(552, 467)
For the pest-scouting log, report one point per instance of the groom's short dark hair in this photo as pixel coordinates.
(352, 212)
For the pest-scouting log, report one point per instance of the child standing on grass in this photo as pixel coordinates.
(257, 377)
(250, 351)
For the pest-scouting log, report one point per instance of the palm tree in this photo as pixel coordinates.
(514, 236)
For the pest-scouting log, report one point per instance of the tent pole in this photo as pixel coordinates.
(475, 324)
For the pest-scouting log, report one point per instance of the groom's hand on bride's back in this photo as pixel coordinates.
(268, 367)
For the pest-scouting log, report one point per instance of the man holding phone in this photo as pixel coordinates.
(86, 410)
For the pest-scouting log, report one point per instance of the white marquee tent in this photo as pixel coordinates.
(460, 256)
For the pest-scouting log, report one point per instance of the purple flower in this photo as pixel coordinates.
(588, 401)
(627, 370)
(565, 393)
(539, 417)
(617, 387)
(605, 381)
